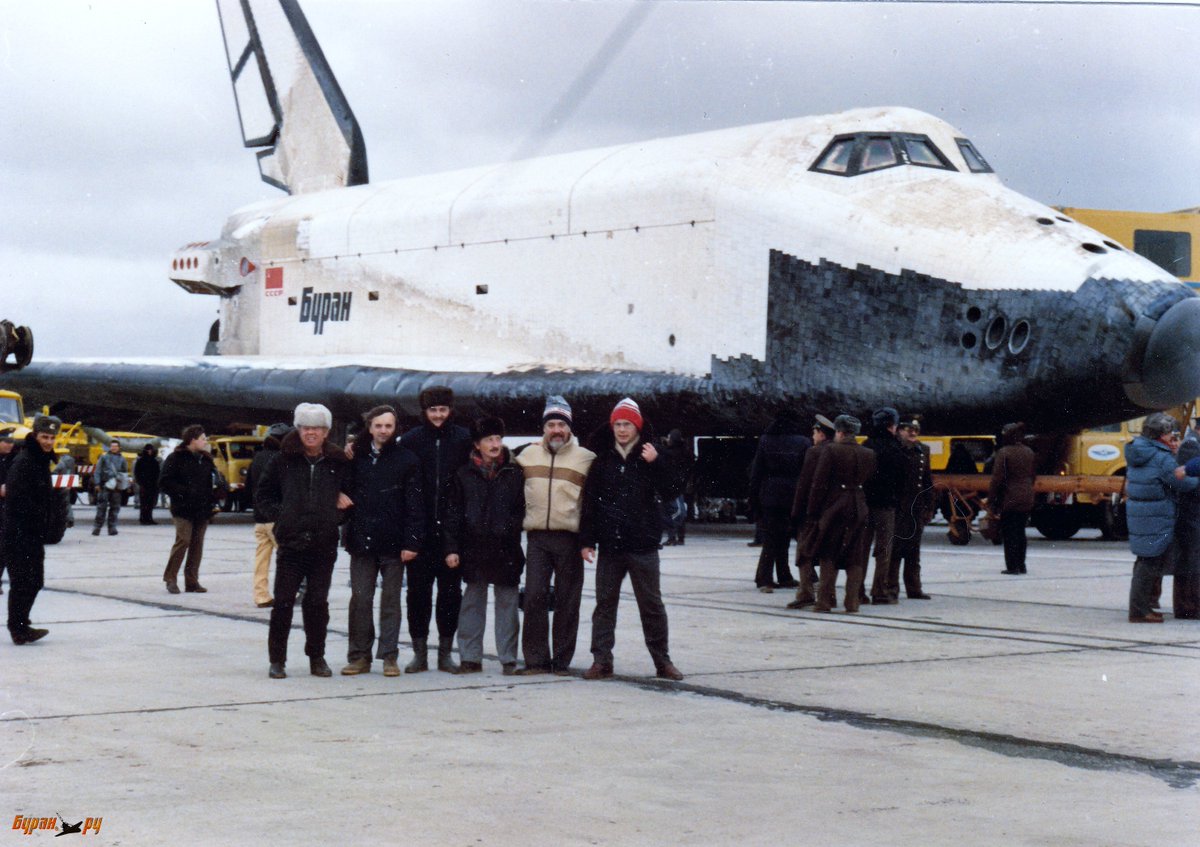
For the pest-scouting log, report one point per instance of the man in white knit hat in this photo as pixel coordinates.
(303, 493)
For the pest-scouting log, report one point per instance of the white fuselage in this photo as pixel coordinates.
(648, 256)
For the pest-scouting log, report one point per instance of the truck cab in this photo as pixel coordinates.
(232, 455)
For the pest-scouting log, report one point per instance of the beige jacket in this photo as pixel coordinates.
(554, 485)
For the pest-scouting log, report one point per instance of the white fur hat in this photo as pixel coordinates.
(313, 414)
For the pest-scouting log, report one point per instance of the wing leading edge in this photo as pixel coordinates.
(246, 390)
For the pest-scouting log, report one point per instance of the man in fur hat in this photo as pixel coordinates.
(483, 543)
(442, 447)
(621, 517)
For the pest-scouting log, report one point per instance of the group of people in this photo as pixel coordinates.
(446, 507)
(1163, 513)
(839, 499)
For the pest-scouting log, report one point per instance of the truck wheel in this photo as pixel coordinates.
(959, 532)
(1057, 524)
(1113, 526)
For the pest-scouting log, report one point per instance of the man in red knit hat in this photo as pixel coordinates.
(622, 518)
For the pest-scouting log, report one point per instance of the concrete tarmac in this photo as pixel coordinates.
(1004, 711)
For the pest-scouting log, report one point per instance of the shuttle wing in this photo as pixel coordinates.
(253, 389)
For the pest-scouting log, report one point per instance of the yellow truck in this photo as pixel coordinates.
(12, 412)
(1168, 239)
(232, 455)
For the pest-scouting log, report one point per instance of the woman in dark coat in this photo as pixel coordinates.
(145, 473)
(483, 542)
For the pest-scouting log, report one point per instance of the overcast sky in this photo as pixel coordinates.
(119, 139)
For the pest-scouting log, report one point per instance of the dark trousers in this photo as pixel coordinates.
(1186, 594)
(642, 569)
(1012, 532)
(774, 554)
(149, 496)
(552, 554)
(423, 572)
(1146, 583)
(26, 575)
(291, 567)
(906, 549)
(364, 573)
(885, 585)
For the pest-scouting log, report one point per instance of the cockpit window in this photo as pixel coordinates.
(878, 153)
(976, 162)
(921, 151)
(849, 155)
(836, 159)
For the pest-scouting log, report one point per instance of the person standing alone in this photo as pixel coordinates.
(187, 478)
(146, 472)
(1010, 494)
(110, 480)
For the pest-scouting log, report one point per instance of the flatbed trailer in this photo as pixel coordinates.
(967, 495)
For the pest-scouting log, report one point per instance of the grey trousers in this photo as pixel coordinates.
(364, 572)
(552, 553)
(108, 505)
(472, 620)
(642, 568)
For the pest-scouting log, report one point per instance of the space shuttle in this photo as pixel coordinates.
(822, 264)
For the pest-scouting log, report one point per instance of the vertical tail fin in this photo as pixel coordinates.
(288, 100)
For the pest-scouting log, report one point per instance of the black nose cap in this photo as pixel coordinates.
(1171, 364)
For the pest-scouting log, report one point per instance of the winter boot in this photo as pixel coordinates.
(420, 660)
(445, 660)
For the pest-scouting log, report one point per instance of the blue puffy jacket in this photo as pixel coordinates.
(1152, 490)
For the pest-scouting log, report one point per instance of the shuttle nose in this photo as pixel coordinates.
(1171, 363)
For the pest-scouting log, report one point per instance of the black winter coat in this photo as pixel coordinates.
(258, 466)
(621, 497)
(884, 487)
(441, 451)
(776, 468)
(389, 508)
(483, 522)
(146, 472)
(30, 501)
(300, 497)
(187, 478)
(5, 463)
